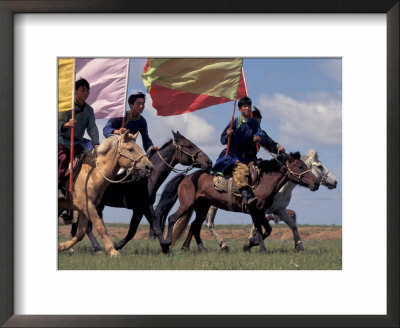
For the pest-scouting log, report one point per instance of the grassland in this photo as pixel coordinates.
(323, 251)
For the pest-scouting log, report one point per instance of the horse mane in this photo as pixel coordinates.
(167, 143)
(313, 154)
(271, 165)
(107, 144)
(295, 155)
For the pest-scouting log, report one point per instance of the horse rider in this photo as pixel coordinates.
(268, 142)
(84, 121)
(245, 134)
(134, 122)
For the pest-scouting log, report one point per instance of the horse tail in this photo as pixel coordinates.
(168, 199)
(179, 228)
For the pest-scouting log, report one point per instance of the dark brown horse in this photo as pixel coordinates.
(196, 192)
(141, 195)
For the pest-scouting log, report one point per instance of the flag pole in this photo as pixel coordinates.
(126, 89)
(233, 115)
(71, 162)
(229, 137)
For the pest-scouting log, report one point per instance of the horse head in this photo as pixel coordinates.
(189, 154)
(324, 176)
(298, 172)
(132, 157)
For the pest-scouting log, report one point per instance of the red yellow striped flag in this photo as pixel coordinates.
(183, 85)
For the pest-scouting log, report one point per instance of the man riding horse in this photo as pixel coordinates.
(84, 120)
(245, 134)
(135, 122)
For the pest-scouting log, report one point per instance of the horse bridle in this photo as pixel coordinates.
(324, 176)
(179, 148)
(297, 175)
(128, 172)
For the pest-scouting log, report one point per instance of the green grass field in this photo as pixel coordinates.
(145, 254)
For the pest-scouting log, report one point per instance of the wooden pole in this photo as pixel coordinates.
(71, 162)
(126, 94)
(233, 117)
(229, 137)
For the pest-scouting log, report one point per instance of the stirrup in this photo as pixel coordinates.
(61, 195)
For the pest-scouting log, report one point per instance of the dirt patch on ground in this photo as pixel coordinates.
(279, 232)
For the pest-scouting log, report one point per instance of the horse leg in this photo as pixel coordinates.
(210, 225)
(133, 225)
(80, 233)
(257, 219)
(201, 207)
(98, 223)
(171, 221)
(155, 221)
(154, 224)
(186, 243)
(289, 217)
(95, 244)
(193, 231)
(267, 227)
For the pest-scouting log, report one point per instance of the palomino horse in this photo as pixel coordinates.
(141, 195)
(277, 211)
(94, 175)
(196, 192)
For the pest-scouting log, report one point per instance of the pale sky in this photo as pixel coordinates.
(301, 104)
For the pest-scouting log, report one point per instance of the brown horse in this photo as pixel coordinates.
(196, 192)
(94, 176)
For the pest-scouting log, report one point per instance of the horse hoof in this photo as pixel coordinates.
(202, 250)
(165, 248)
(246, 248)
(118, 245)
(185, 248)
(299, 246)
(114, 253)
(225, 249)
(98, 251)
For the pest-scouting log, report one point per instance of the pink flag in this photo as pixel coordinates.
(108, 79)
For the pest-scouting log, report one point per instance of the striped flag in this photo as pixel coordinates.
(185, 85)
(108, 79)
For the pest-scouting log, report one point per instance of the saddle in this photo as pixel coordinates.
(76, 164)
(228, 185)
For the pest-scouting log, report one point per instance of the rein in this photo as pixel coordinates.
(179, 148)
(297, 175)
(130, 171)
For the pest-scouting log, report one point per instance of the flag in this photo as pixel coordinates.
(108, 80)
(184, 85)
(66, 68)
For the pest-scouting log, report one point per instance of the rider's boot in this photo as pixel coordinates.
(248, 197)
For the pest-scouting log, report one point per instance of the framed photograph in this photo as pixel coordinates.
(364, 34)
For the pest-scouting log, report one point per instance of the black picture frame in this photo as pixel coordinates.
(7, 11)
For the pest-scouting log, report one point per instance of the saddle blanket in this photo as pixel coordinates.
(222, 184)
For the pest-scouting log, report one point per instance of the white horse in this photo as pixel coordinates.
(278, 211)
